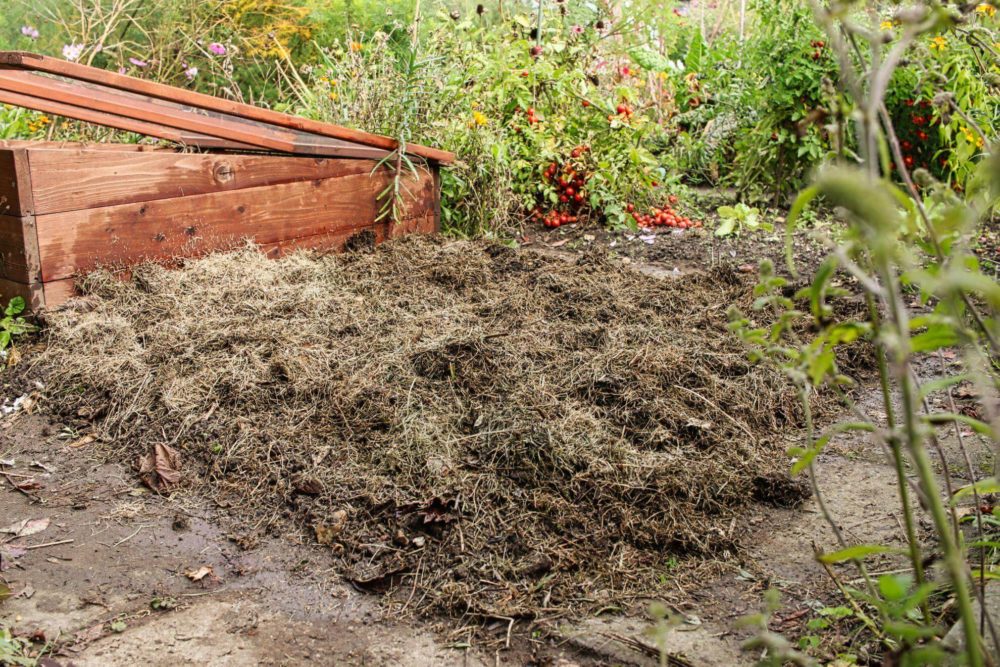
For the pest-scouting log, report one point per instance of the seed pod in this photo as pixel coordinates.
(480, 9)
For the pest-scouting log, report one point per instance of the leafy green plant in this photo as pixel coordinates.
(895, 244)
(14, 650)
(12, 324)
(740, 218)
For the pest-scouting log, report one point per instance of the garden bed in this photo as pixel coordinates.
(482, 429)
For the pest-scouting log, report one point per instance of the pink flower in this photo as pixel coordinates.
(72, 52)
(217, 49)
(29, 32)
(626, 71)
(138, 63)
(577, 30)
(122, 70)
(191, 73)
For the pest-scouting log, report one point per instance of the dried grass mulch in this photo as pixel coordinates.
(478, 429)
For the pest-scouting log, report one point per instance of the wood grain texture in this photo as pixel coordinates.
(39, 63)
(57, 292)
(74, 179)
(32, 294)
(77, 241)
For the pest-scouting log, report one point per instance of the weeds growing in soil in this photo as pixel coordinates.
(479, 430)
(908, 254)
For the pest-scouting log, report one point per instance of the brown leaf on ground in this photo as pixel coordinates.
(83, 441)
(326, 533)
(199, 574)
(160, 468)
(26, 527)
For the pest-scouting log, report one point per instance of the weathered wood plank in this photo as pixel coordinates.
(32, 294)
(74, 179)
(128, 148)
(58, 292)
(77, 241)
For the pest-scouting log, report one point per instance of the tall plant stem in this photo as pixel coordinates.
(953, 559)
(916, 560)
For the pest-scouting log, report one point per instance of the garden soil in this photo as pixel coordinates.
(475, 430)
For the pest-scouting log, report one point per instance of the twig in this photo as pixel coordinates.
(47, 544)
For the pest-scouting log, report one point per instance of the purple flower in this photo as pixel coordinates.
(72, 52)
(138, 63)
(191, 73)
(29, 32)
(217, 49)
(122, 70)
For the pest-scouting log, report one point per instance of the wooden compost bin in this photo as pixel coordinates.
(68, 208)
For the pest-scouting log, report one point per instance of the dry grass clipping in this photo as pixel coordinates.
(479, 429)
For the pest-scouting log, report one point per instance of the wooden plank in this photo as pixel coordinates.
(57, 292)
(14, 262)
(32, 294)
(90, 98)
(81, 240)
(69, 180)
(35, 62)
(10, 200)
(89, 115)
(128, 148)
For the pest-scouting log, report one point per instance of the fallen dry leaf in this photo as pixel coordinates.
(199, 574)
(326, 533)
(82, 442)
(26, 527)
(160, 469)
(559, 244)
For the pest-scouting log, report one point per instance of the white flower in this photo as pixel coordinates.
(29, 32)
(72, 52)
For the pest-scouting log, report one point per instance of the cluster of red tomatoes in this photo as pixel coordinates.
(818, 47)
(623, 111)
(663, 217)
(919, 147)
(570, 182)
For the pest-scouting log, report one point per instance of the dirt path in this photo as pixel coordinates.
(166, 581)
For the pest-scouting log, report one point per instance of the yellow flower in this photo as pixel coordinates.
(357, 46)
(333, 96)
(479, 118)
(986, 9)
(885, 25)
(939, 44)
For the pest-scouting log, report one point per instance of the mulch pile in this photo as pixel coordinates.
(476, 429)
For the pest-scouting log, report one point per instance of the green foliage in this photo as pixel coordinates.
(14, 650)
(12, 324)
(740, 218)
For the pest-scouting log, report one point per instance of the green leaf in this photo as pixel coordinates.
(692, 63)
(15, 307)
(726, 227)
(5, 592)
(935, 337)
(982, 428)
(803, 200)
(893, 587)
(857, 552)
(726, 212)
(982, 487)
(820, 365)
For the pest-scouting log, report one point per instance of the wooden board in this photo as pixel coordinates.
(58, 292)
(74, 179)
(32, 294)
(76, 241)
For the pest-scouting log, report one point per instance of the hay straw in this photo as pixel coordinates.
(550, 432)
